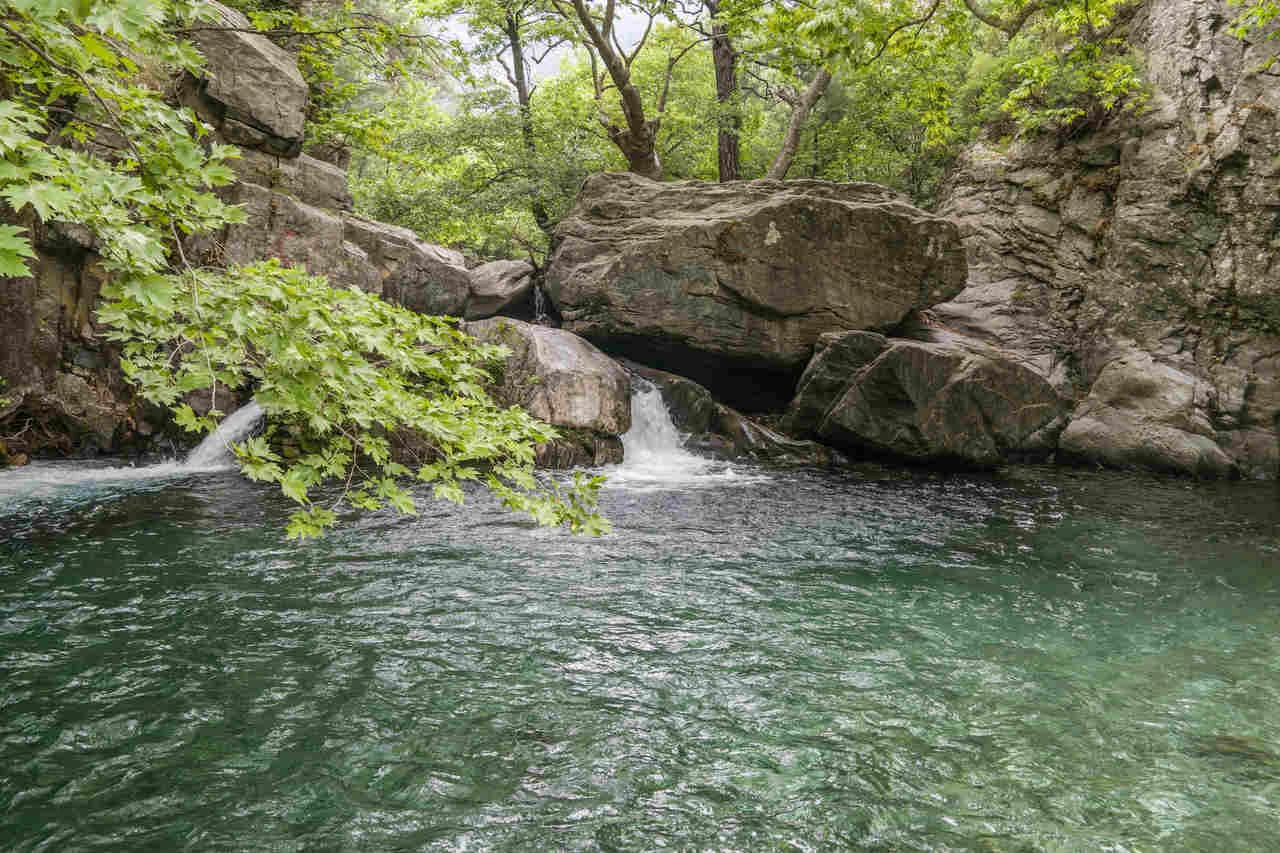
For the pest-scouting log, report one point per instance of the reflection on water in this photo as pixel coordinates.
(876, 659)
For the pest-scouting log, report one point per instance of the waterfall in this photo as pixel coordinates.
(92, 482)
(653, 449)
(540, 316)
(215, 451)
(653, 438)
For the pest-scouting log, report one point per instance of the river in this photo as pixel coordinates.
(874, 658)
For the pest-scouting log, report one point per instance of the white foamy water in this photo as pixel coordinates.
(654, 455)
(44, 479)
(214, 453)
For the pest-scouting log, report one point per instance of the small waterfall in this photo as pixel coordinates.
(215, 451)
(653, 437)
(653, 449)
(540, 316)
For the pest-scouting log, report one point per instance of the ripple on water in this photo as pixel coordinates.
(878, 659)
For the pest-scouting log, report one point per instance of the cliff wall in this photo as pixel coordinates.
(1138, 266)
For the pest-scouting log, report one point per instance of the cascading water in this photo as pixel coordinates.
(215, 451)
(87, 481)
(654, 454)
(540, 316)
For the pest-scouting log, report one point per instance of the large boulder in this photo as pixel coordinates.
(1143, 414)
(731, 284)
(250, 89)
(563, 380)
(947, 399)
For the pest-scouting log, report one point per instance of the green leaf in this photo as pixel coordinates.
(13, 249)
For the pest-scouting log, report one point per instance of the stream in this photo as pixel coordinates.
(871, 658)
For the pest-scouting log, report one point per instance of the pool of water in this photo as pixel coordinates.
(869, 659)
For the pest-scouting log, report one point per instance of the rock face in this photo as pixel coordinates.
(731, 284)
(501, 287)
(563, 380)
(61, 388)
(1138, 266)
(251, 89)
(62, 391)
(946, 399)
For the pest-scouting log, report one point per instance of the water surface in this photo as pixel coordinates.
(871, 659)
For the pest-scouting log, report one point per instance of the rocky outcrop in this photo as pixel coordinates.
(563, 380)
(1136, 266)
(945, 399)
(250, 89)
(501, 287)
(406, 269)
(714, 428)
(62, 390)
(731, 284)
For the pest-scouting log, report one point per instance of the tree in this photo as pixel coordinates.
(339, 373)
(636, 136)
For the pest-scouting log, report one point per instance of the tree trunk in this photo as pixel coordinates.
(799, 115)
(523, 97)
(637, 141)
(640, 151)
(725, 60)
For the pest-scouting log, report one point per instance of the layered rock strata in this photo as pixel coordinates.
(1137, 267)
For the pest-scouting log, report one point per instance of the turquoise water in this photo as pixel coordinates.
(875, 659)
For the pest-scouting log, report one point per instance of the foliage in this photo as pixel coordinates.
(343, 375)
(338, 373)
(466, 177)
(122, 161)
(357, 56)
(1257, 17)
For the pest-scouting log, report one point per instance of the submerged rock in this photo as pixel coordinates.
(563, 380)
(947, 399)
(731, 284)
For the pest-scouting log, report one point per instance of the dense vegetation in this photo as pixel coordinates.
(473, 122)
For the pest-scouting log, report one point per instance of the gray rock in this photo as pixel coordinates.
(1146, 245)
(837, 358)
(249, 88)
(946, 399)
(1140, 413)
(420, 276)
(501, 287)
(307, 179)
(731, 284)
(558, 377)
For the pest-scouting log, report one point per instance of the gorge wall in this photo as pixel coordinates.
(1137, 266)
